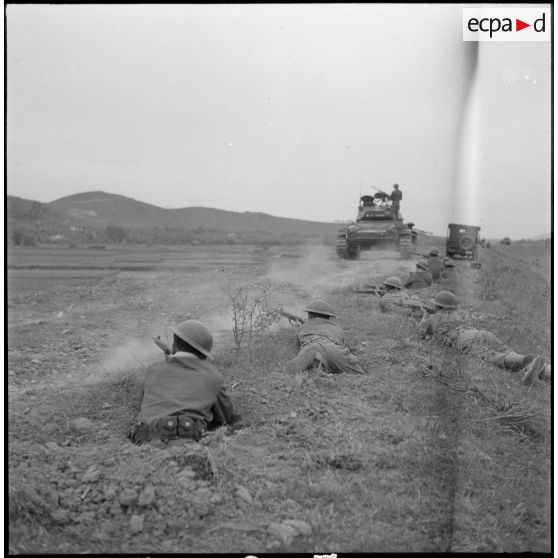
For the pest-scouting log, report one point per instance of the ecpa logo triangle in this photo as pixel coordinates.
(519, 25)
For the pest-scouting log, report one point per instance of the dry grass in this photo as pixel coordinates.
(426, 453)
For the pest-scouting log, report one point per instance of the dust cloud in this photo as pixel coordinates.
(313, 270)
(136, 354)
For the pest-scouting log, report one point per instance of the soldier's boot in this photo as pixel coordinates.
(532, 372)
(510, 360)
(302, 361)
(546, 373)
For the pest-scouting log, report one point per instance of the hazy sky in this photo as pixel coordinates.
(292, 110)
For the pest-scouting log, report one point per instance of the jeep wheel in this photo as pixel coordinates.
(466, 243)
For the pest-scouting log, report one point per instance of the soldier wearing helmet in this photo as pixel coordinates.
(394, 293)
(448, 276)
(322, 342)
(434, 263)
(184, 396)
(452, 328)
(421, 278)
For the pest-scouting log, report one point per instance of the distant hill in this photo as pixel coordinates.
(90, 213)
(29, 221)
(542, 237)
(100, 209)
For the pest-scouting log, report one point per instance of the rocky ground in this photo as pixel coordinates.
(317, 463)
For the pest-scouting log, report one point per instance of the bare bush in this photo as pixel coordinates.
(251, 313)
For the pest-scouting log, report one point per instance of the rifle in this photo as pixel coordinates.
(414, 304)
(163, 346)
(292, 317)
(378, 290)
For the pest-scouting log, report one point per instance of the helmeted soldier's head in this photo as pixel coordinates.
(433, 251)
(448, 262)
(193, 337)
(318, 308)
(393, 284)
(396, 186)
(446, 300)
(422, 265)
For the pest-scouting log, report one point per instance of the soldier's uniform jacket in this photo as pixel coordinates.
(392, 298)
(452, 328)
(320, 329)
(418, 280)
(185, 385)
(396, 196)
(435, 267)
(444, 325)
(323, 340)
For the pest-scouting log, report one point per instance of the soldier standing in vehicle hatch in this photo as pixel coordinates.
(395, 197)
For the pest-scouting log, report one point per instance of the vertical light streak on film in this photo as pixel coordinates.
(466, 194)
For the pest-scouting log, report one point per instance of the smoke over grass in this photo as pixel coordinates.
(136, 354)
(315, 270)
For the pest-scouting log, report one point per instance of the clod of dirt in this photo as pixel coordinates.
(300, 526)
(91, 475)
(242, 493)
(69, 467)
(285, 533)
(110, 492)
(128, 497)
(136, 524)
(147, 497)
(186, 479)
(391, 438)
(349, 462)
(81, 424)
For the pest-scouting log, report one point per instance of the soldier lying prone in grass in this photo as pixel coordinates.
(322, 342)
(450, 328)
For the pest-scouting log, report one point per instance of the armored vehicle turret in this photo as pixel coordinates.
(376, 226)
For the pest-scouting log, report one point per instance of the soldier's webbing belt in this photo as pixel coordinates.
(171, 427)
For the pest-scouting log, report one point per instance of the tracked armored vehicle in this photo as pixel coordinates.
(375, 227)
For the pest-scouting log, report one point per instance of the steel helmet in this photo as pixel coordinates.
(394, 282)
(433, 251)
(449, 263)
(445, 299)
(195, 334)
(421, 264)
(317, 306)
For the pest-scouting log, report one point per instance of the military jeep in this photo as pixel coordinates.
(462, 240)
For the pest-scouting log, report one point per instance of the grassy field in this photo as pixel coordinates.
(429, 452)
